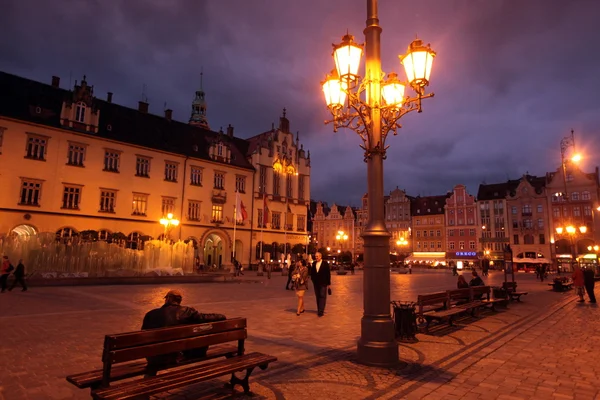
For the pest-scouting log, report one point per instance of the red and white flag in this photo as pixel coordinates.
(240, 211)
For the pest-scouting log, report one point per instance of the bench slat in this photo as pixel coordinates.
(91, 378)
(183, 377)
(137, 338)
(155, 349)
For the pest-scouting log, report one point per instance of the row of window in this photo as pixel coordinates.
(587, 211)
(262, 183)
(36, 149)
(31, 191)
(528, 224)
(529, 239)
(461, 232)
(585, 195)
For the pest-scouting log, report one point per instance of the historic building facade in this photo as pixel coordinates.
(428, 229)
(461, 227)
(72, 162)
(328, 222)
(573, 200)
(397, 221)
(528, 228)
(492, 217)
(281, 195)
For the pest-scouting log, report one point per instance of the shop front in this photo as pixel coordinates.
(462, 259)
(435, 259)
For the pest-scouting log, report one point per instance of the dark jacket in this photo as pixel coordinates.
(476, 281)
(323, 277)
(588, 277)
(175, 314)
(19, 271)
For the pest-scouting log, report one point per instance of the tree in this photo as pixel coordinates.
(298, 248)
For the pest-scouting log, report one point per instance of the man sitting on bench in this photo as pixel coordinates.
(476, 281)
(172, 313)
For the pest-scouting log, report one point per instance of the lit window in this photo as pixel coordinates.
(140, 204)
(217, 213)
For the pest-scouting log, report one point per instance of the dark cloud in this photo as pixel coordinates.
(511, 77)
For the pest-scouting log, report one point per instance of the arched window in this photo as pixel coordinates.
(65, 234)
(134, 241)
(80, 112)
(105, 235)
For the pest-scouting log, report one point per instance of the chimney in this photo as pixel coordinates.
(230, 131)
(109, 97)
(168, 114)
(55, 81)
(143, 107)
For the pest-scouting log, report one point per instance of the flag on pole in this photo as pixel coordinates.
(240, 211)
(265, 210)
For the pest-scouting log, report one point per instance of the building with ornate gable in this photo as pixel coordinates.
(73, 162)
(461, 227)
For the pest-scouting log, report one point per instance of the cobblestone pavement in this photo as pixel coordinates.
(542, 348)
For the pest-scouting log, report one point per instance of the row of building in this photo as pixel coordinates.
(71, 162)
(533, 214)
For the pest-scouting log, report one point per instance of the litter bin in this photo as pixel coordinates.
(405, 320)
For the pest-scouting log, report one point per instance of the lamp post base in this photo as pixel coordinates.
(376, 353)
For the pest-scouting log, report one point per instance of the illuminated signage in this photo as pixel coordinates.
(466, 253)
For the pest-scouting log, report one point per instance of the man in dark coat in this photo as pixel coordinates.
(320, 274)
(172, 313)
(19, 277)
(588, 282)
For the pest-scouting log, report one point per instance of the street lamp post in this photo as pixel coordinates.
(572, 232)
(373, 119)
(169, 223)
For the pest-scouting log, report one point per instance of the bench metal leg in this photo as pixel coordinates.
(242, 382)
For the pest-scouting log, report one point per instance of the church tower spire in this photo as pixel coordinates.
(198, 117)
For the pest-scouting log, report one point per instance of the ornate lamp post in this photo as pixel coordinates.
(373, 117)
(168, 223)
(572, 232)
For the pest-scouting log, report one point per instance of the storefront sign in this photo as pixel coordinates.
(466, 254)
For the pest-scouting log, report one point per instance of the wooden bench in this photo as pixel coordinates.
(434, 306)
(463, 299)
(483, 295)
(560, 286)
(511, 291)
(127, 349)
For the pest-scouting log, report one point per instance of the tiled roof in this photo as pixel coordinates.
(20, 97)
(429, 205)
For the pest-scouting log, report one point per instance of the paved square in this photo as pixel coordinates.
(541, 348)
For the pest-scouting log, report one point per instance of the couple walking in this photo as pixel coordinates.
(320, 274)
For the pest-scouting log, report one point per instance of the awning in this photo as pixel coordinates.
(427, 257)
(531, 260)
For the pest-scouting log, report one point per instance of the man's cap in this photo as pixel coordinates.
(173, 293)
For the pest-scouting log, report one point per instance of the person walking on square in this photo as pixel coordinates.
(4, 272)
(300, 283)
(19, 275)
(588, 282)
(320, 274)
(578, 282)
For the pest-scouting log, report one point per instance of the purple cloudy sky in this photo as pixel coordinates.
(511, 77)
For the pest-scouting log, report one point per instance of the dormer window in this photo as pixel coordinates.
(220, 149)
(80, 112)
